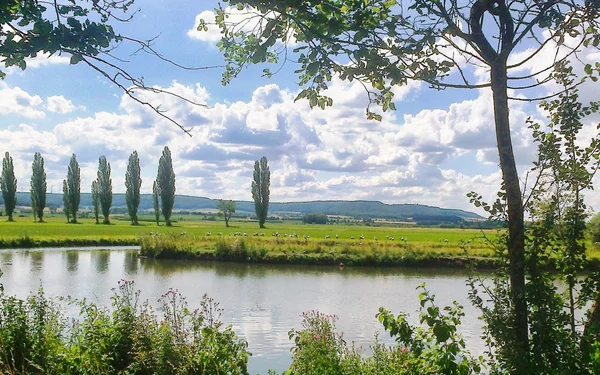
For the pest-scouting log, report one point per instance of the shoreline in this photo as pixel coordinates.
(263, 256)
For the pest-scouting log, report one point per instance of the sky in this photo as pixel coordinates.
(434, 149)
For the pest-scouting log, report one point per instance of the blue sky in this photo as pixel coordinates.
(434, 149)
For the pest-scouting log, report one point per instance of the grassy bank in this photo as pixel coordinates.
(284, 242)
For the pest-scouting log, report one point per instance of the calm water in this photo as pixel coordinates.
(262, 302)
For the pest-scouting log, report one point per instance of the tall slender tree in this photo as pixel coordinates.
(66, 201)
(95, 201)
(155, 202)
(133, 183)
(74, 187)
(260, 190)
(33, 204)
(8, 185)
(166, 184)
(104, 188)
(38, 186)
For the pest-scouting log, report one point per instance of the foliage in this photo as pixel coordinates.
(434, 349)
(104, 188)
(155, 202)
(33, 204)
(35, 337)
(260, 190)
(96, 200)
(38, 185)
(226, 208)
(165, 183)
(565, 168)
(8, 185)
(133, 184)
(593, 228)
(73, 191)
(83, 30)
(315, 219)
(383, 44)
(66, 201)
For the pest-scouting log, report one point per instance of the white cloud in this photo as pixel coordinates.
(59, 104)
(16, 101)
(313, 154)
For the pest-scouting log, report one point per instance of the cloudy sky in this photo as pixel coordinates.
(434, 149)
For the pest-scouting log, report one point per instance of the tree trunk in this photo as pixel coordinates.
(516, 228)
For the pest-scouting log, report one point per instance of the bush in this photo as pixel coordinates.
(436, 348)
(158, 245)
(315, 219)
(593, 228)
(132, 339)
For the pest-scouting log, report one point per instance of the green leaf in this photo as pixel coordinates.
(75, 59)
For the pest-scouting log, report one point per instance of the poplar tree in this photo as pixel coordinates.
(66, 201)
(104, 188)
(166, 184)
(8, 185)
(33, 205)
(133, 184)
(74, 187)
(155, 202)
(38, 186)
(95, 201)
(260, 190)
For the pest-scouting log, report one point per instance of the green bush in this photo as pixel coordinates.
(130, 339)
(434, 348)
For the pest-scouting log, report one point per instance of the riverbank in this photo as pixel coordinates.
(280, 243)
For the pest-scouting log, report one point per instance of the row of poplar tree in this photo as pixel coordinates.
(163, 188)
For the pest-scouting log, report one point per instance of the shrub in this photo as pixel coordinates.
(132, 339)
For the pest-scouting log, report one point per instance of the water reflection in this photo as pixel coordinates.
(36, 260)
(72, 260)
(131, 263)
(100, 260)
(6, 258)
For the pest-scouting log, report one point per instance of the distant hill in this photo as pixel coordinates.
(357, 209)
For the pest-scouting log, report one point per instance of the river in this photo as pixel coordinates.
(261, 302)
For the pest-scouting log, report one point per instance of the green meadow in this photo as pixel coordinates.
(281, 242)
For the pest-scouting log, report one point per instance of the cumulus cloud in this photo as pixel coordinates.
(16, 101)
(59, 104)
(313, 154)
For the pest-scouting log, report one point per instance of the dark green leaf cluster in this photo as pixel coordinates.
(133, 184)
(72, 190)
(165, 184)
(104, 188)
(8, 185)
(96, 200)
(38, 186)
(261, 184)
(80, 28)
(315, 219)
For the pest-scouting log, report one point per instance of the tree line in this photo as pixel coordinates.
(163, 188)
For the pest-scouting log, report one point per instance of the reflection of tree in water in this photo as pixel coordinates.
(6, 257)
(131, 262)
(36, 259)
(100, 260)
(165, 267)
(72, 261)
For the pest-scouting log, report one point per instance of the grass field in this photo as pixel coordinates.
(189, 238)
